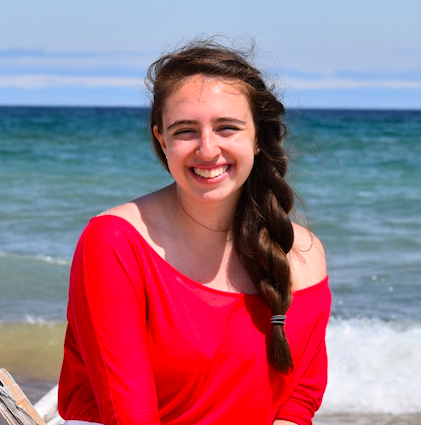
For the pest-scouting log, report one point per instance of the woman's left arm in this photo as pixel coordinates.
(308, 318)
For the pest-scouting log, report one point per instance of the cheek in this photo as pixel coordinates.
(182, 148)
(251, 163)
(247, 163)
(177, 151)
(176, 157)
(174, 168)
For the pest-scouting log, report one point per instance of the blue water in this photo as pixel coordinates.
(361, 182)
(358, 173)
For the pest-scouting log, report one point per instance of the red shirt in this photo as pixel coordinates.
(147, 345)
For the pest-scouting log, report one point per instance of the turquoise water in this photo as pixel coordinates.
(358, 172)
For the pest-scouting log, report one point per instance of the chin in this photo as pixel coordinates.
(218, 195)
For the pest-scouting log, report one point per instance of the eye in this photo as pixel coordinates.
(227, 130)
(185, 133)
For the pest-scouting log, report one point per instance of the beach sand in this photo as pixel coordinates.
(32, 352)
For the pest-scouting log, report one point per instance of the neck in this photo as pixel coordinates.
(201, 223)
(205, 217)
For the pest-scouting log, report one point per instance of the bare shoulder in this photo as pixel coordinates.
(143, 213)
(307, 259)
(128, 211)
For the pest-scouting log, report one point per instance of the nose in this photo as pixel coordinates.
(208, 146)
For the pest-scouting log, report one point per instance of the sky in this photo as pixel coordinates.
(320, 53)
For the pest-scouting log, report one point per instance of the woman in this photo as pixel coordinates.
(178, 299)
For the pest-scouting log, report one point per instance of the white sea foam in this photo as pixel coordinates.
(52, 260)
(374, 367)
(42, 258)
(32, 320)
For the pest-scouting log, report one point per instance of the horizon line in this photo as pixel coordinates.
(340, 108)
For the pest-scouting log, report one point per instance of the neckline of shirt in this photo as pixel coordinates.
(133, 229)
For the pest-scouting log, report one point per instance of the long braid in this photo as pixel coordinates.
(263, 235)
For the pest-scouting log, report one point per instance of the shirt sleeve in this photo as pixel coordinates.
(306, 397)
(107, 309)
(307, 383)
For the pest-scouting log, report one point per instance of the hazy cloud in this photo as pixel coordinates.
(37, 68)
(46, 81)
(29, 73)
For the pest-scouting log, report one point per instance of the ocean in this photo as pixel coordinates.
(357, 172)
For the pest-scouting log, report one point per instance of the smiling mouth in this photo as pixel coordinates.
(212, 173)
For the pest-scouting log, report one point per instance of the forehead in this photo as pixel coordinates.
(204, 90)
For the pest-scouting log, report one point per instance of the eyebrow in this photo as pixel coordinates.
(231, 119)
(218, 120)
(181, 122)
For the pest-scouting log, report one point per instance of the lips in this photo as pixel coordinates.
(210, 173)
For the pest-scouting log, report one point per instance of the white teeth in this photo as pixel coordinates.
(210, 174)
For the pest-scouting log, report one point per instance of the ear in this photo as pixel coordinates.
(256, 145)
(256, 148)
(160, 138)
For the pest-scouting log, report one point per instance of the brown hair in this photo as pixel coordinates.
(262, 230)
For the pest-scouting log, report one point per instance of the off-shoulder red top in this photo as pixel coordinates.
(147, 345)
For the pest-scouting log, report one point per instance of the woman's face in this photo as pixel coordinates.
(209, 138)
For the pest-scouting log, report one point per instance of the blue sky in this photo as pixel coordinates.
(321, 53)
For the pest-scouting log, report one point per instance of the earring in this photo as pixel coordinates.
(257, 150)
